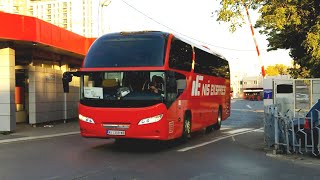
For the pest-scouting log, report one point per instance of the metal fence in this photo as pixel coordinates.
(303, 95)
(293, 132)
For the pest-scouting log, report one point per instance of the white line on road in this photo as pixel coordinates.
(218, 139)
(37, 137)
(249, 106)
(235, 131)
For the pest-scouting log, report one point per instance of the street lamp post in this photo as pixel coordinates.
(102, 3)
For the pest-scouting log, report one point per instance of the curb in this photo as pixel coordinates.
(37, 137)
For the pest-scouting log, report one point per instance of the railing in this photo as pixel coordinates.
(293, 134)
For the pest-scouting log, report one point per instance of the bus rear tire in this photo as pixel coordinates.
(186, 133)
(217, 126)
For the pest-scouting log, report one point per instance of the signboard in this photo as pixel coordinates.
(93, 92)
(267, 94)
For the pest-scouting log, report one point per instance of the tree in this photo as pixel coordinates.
(278, 69)
(288, 24)
(298, 72)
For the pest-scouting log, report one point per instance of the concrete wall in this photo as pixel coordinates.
(315, 91)
(7, 90)
(47, 101)
(72, 98)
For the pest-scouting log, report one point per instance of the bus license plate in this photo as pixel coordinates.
(116, 133)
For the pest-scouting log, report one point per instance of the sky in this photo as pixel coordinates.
(195, 21)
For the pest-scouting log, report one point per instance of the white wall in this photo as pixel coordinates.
(47, 101)
(7, 90)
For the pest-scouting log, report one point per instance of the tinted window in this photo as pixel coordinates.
(210, 64)
(284, 88)
(129, 50)
(175, 86)
(180, 55)
(122, 88)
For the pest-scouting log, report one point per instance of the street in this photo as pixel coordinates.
(237, 151)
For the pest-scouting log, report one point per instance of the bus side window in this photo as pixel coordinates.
(180, 55)
(171, 83)
(181, 85)
(176, 84)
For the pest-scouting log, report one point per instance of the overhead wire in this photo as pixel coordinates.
(154, 20)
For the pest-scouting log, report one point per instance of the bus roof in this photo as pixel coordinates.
(204, 48)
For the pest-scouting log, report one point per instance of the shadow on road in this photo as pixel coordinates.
(138, 146)
(245, 114)
(153, 146)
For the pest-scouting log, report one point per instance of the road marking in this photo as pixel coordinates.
(37, 137)
(249, 106)
(248, 110)
(238, 130)
(245, 131)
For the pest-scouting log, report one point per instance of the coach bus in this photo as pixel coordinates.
(150, 85)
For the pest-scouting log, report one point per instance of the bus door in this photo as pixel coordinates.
(175, 86)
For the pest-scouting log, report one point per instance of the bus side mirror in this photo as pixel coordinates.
(66, 78)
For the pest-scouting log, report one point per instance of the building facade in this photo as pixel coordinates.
(14, 6)
(33, 56)
(252, 87)
(73, 15)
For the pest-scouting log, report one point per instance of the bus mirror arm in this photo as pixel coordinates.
(66, 78)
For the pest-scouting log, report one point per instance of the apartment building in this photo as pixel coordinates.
(73, 15)
(14, 6)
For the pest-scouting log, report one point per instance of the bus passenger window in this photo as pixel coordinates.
(180, 55)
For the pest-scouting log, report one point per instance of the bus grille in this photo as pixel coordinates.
(116, 126)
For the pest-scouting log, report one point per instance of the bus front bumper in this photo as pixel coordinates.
(155, 131)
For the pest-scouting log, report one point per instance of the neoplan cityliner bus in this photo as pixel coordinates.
(150, 85)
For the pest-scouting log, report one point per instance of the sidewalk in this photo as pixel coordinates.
(25, 131)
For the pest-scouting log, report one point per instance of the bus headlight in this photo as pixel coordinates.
(151, 119)
(86, 119)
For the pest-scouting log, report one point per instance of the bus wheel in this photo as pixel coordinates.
(217, 126)
(186, 134)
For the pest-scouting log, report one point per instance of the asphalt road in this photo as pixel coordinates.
(235, 152)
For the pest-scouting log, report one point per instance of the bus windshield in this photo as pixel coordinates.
(122, 88)
(123, 50)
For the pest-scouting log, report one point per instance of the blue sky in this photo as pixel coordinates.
(194, 21)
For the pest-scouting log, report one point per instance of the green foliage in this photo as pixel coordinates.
(299, 72)
(278, 69)
(288, 24)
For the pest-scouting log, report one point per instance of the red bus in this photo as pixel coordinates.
(150, 85)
